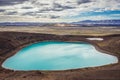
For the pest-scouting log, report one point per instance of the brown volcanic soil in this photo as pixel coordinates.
(11, 42)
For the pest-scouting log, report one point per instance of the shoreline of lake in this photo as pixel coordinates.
(42, 37)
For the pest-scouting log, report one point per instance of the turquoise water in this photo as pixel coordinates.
(53, 55)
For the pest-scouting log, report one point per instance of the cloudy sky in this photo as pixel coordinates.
(58, 10)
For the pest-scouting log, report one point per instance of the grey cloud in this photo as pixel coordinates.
(56, 7)
(44, 10)
(83, 1)
(2, 10)
(117, 1)
(11, 2)
(54, 17)
(37, 15)
(38, 3)
(45, 7)
(11, 13)
(59, 7)
(29, 13)
(26, 7)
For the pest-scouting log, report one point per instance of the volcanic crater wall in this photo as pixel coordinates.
(11, 42)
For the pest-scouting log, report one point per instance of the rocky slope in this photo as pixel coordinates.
(11, 42)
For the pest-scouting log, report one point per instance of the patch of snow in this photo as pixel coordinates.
(108, 27)
(98, 39)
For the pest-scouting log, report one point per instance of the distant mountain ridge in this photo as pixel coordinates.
(79, 23)
(21, 24)
(99, 22)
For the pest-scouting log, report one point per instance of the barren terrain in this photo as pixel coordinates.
(12, 39)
